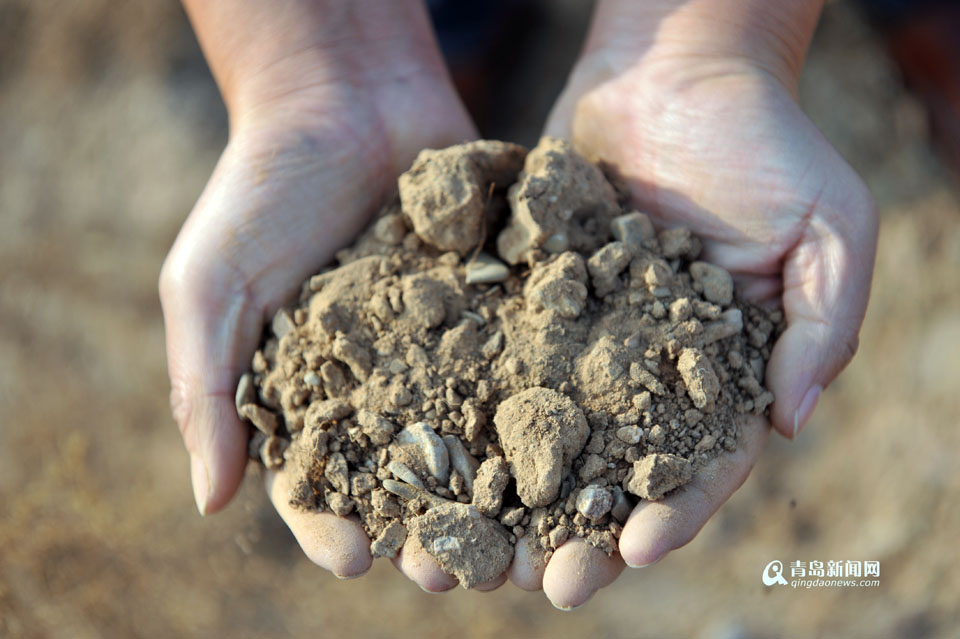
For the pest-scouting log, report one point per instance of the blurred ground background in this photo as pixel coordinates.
(110, 126)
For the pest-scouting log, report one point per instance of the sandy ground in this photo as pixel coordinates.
(109, 127)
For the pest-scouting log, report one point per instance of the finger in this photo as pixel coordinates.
(576, 571)
(334, 543)
(493, 584)
(526, 571)
(421, 568)
(657, 527)
(202, 333)
(826, 285)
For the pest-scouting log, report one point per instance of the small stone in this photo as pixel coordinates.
(246, 392)
(362, 483)
(337, 474)
(633, 230)
(486, 269)
(558, 535)
(605, 267)
(379, 429)
(462, 461)
(622, 507)
(541, 432)
(629, 434)
(311, 378)
(264, 420)
(340, 504)
(698, 376)
(729, 324)
(716, 283)
(593, 466)
(432, 450)
(353, 355)
(559, 285)
(325, 411)
(402, 472)
(594, 502)
(390, 229)
(679, 242)
(271, 452)
(282, 323)
(681, 310)
(389, 541)
(644, 377)
(489, 484)
(512, 517)
(401, 489)
(657, 474)
(467, 545)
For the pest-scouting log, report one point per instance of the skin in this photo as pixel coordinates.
(694, 101)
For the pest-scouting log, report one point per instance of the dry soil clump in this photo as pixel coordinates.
(506, 352)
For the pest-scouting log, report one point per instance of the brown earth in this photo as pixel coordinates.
(420, 359)
(109, 131)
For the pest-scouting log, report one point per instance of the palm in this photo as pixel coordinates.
(731, 156)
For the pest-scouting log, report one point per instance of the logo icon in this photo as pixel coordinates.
(773, 574)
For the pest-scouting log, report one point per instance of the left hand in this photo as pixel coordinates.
(705, 129)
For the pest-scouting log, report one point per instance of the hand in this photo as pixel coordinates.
(703, 125)
(319, 132)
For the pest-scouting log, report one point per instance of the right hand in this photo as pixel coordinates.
(318, 137)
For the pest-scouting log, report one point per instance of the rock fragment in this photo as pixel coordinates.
(634, 230)
(679, 242)
(432, 450)
(444, 192)
(556, 187)
(698, 376)
(378, 429)
(462, 461)
(389, 541)
(486, 269)
(594, 502)
(541, 431)
(715, 282)
(264, 420)
(489, 484)
(605, 267)
(657, 474)
(558, 285)
(467, 545)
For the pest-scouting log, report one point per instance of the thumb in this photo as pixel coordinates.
(207, 324)
(826, 279)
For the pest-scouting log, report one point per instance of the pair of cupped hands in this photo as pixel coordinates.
(330, 104)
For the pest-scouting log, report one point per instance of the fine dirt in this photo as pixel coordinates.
(436, 390)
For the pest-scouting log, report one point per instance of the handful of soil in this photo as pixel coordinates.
(505, 356)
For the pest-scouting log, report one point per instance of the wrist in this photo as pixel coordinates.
(703, 37)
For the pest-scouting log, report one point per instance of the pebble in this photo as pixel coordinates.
(340, 504)
(716, 283)
(378, 429)
(390, 540)
(557, 536)
(246, 393)
(633, 229)
(402, 472)
(282, 323)
(264, 420)
(462, 461)
(629, 434)
(311, 379)
(431, 447)
(486, 269)
(594, 502)
(512, 516)
(622, 507)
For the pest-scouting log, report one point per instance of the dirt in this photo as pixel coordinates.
(506, 352)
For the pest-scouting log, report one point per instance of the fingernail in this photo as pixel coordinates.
(644, 565)
(201, 482)
(572, 608)
(805, 410)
